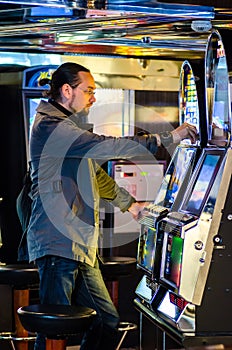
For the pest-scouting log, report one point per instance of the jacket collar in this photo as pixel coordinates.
(61, 108)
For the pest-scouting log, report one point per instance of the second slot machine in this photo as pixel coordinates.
(178, 238)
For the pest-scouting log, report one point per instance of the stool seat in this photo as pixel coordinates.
(113, 267)
(19, 275)
(56, 320)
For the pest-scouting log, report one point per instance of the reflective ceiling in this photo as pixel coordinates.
(114, 28)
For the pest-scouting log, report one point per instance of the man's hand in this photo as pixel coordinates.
(136, 208)
(184, 131)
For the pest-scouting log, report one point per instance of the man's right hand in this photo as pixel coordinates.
(185, 131)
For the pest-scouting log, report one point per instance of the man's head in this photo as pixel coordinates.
(73, 86)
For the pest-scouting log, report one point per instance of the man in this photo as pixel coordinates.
(68, 183)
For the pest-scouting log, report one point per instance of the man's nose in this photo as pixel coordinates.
(92, 98)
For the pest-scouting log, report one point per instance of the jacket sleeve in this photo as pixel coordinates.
(110, 191)
(67, 139)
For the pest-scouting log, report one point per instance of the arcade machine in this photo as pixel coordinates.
(192, 299)
(32, 92)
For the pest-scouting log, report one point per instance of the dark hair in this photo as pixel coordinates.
(67, 73)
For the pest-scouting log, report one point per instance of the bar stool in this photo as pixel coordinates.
(112, 268)
(57, 322)
(15, 284)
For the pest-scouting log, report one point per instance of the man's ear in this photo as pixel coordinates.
(66, 90)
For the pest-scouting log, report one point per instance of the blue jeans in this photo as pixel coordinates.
(65, 281)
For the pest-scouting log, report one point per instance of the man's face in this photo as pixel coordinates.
(82, 96)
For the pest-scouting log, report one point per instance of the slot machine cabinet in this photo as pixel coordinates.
(214, 313)
(185, 235)
(217, 92)
(218, 134)
(184, 238)
(170, 193)
(188, 227)
(150, 240)
(192, 300)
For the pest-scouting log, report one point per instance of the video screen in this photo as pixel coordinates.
(218, 97)
(188, 99)
(173, 259)
(176, 172)
(146, 251)
(202, 185)
(172, 305)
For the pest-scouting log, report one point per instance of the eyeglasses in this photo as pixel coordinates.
(90, 92)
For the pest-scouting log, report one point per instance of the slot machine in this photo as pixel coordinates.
(150, 241)
(185, 235)
(172, 189)
(192, 292)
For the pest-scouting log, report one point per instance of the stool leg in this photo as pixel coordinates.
(12, 344)
(21, 297)
(56, 344)
(121, 340)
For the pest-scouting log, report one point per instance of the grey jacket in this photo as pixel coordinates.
(68, 183)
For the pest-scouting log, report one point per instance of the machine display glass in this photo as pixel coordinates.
(173, 261)
(206, 173)
(188, 99)
(172, 305)
(217, 88)
(181, 163)
(146, 252)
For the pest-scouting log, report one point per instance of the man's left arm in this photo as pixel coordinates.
(118, 196)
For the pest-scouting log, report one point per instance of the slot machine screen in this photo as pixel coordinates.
(188, 99)
(181, 163)
(173, 305)
(217, 88)
(146, 252)
(173, 261)
(202, 184)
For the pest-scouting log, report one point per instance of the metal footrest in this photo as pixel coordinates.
(11, 338)
(125, 327)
